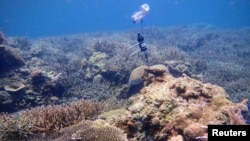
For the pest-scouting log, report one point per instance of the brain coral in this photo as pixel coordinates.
(135, 77)
(138, 75)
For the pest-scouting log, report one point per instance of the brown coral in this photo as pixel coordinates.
(47, 119)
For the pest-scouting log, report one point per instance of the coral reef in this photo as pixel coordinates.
(135, 82)
(14, 87)
(99, 131)
(86, 130)
(46, 83)
(135, 77)
(174, 101)
(47, 119)
(183, 106)
(5, 99)
(96, 64)
(200, 51)
(167, 108)
(9, 60)
(105, 47)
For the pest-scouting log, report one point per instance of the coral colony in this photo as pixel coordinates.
(93, 86)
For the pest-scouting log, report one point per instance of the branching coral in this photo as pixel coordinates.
(22, 43)
(47, 119)
(12, 127)
(106, 47)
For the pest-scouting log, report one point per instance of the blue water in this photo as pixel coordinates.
(36, 18)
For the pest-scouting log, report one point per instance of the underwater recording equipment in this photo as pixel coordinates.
(137, 16)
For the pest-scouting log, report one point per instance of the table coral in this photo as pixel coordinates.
(14, 86)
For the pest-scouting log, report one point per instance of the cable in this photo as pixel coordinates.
(142, 27)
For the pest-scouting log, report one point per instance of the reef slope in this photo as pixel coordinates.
(170, 108)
